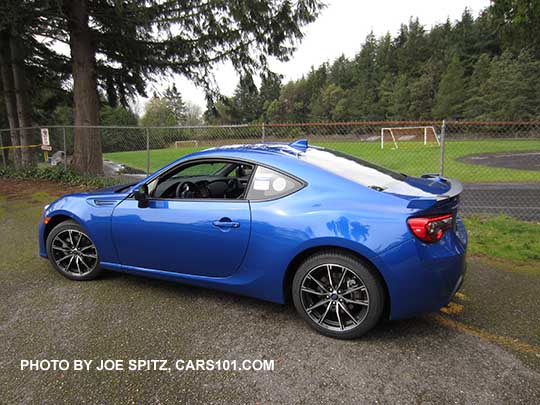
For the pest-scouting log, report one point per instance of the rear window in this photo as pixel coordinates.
(352, 168)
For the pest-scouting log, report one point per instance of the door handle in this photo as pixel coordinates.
(226, 223)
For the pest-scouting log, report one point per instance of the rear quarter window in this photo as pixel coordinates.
(270, 184)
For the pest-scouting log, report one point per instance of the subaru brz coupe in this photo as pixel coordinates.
(347, 241)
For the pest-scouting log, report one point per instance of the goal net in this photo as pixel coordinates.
(186, 144)
(393, 135)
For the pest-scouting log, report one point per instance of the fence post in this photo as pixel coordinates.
(147, 151)
(443, 136)
(3, 150)
(263, 132)
(65, 147)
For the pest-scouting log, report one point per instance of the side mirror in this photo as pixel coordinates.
(141, 195)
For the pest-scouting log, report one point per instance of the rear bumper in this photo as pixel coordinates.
(423, 278)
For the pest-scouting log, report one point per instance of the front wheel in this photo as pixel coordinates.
(338, 295)
(72, 253)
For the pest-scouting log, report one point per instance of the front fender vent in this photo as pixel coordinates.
(105, 202)
(96, 202)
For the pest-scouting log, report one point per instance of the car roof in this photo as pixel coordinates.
(278, 148)
(267, 152)
(281, 155)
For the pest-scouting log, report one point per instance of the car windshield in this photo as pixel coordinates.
(352, 167)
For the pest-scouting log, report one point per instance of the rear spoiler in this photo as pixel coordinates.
(455, 186)
(455, 190)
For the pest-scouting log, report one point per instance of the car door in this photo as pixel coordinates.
(206, 237)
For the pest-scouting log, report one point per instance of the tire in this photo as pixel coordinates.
(72, 253)
(343, 311)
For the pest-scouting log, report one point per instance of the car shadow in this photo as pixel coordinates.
(386, 330)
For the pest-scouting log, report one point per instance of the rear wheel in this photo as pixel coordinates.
(338, 295)
(72, 253)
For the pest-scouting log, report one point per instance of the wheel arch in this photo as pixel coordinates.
(303, 255)
(54, 221)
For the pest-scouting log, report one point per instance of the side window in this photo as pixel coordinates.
(201, 169)
(241, 171)
(268, 183)
(203, 179)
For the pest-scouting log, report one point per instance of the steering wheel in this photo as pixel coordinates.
(188, 189)
(233, 184)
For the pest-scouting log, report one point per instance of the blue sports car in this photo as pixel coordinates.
(347, 241)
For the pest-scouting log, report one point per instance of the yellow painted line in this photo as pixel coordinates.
(21, 147)
(461, 296)
(453, 308)
(509, 342)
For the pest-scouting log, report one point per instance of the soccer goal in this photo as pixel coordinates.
(186, 144)
(423, 133)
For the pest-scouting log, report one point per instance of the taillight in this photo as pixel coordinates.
(430, 229)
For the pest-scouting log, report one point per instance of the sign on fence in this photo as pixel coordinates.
(45, 141)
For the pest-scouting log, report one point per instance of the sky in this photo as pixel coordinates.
(340, 29)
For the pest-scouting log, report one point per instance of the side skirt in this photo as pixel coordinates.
(232, 284)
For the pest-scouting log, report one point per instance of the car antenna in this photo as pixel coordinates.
(300, 144)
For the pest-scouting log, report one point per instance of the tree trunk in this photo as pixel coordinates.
(87, 157)
(22, 98)
(9, 97)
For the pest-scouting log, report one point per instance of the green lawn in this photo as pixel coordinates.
(412, 158)
(505, 238)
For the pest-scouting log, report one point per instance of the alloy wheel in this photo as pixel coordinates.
(334, 297)
(74, 252)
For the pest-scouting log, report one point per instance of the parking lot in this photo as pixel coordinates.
(484, 347)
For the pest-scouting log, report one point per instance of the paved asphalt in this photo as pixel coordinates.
(524, 160)
(462, 356)
(520, 200)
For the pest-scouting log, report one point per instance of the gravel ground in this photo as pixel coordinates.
(485, 348)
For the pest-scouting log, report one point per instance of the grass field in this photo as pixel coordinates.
(412, 158)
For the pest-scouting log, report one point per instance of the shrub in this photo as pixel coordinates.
(58, 174)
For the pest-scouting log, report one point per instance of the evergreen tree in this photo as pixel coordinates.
(176, 104)
(245, 105)
(342, 73)
(401, 99)
(412, 48)
(142, 39)
(511, 91)
(363, 103)
(451, 92)
(476, 106)
(293, 103)
(270, 89)
(324, 107)
(386, 97)
(421, 97)
(115, 139)
(517, 23)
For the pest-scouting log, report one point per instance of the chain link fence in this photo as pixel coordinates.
(498, 162)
